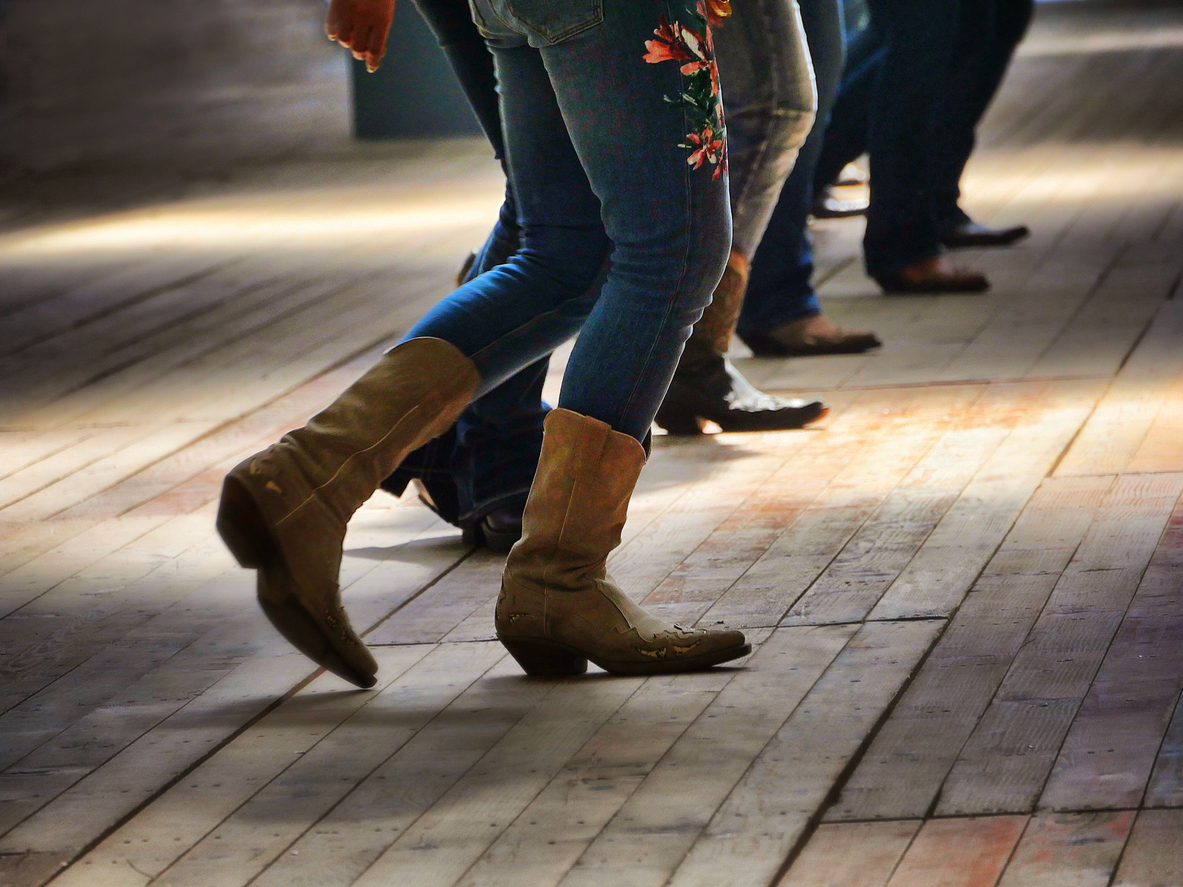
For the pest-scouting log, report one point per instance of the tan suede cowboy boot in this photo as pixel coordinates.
(284, 510)
(558, 606)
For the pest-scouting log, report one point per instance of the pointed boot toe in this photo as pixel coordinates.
(321, 632)
(558, 607)
(309, 615)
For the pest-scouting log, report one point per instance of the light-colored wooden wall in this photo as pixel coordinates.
(172, 84)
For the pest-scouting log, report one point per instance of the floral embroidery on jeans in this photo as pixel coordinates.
(695, 49)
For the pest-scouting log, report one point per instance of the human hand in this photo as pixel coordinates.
(361, 26)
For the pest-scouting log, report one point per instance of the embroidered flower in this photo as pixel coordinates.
(706, 148)
(694, 49)
(716, 11)
(676, 44)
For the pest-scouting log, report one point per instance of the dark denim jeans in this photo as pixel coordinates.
(944, 61)
(779, 289)
(988, 32)
(614, 148)
(845, 137)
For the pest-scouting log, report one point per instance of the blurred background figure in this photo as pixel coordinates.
(940, 63)
(781, 314)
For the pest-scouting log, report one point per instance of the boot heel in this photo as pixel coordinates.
(675, 419)
(243, 528)
(544, 660)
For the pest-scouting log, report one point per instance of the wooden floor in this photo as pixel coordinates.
(966, 585)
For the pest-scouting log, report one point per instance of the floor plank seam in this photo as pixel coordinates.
(327, 812)
(426, 587)
(860, 752)
(1120, 857)
(1113, 638)
(183, 774)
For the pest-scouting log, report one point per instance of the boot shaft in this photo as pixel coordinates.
(578, 502)
(712, 334)
(412, 395)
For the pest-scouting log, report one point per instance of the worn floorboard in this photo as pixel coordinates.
(962, 586)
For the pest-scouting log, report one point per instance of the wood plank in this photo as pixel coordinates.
(1154, 855)
(882, 548)
(550, 834)
(1160, 449)
(39, 556)
(1007, 759)
(1107, 756)
(1069, 850)
(928, 573)
(247, 666)
(93, 298)
(341, 847)
(851, 854)
(653, 830)
(1114, 433)
(703, 575)
(442, 843)
(810, 542)
(100, 400)
(937, 578)
(93, 656)
(237, 811)
(959, 852)
(1109, 324)
(770, 810)
(1036, 302)
(903, 770)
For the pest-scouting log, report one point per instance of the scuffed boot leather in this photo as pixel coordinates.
(284, 510)
(558, 606)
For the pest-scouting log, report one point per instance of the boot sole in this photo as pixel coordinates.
(245, 530)
(544, 658)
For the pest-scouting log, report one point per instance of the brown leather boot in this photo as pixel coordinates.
(706, 386)
(934, 275)
(558, 606)
(284, 510)
(808, 336)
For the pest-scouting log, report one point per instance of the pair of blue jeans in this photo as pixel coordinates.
(616, 156)
(943, 63)
(771, 100)
(845, 138)
(488, 460)
(987, 35)
(779, 289)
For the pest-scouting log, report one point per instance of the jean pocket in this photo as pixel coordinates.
(556, 20)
